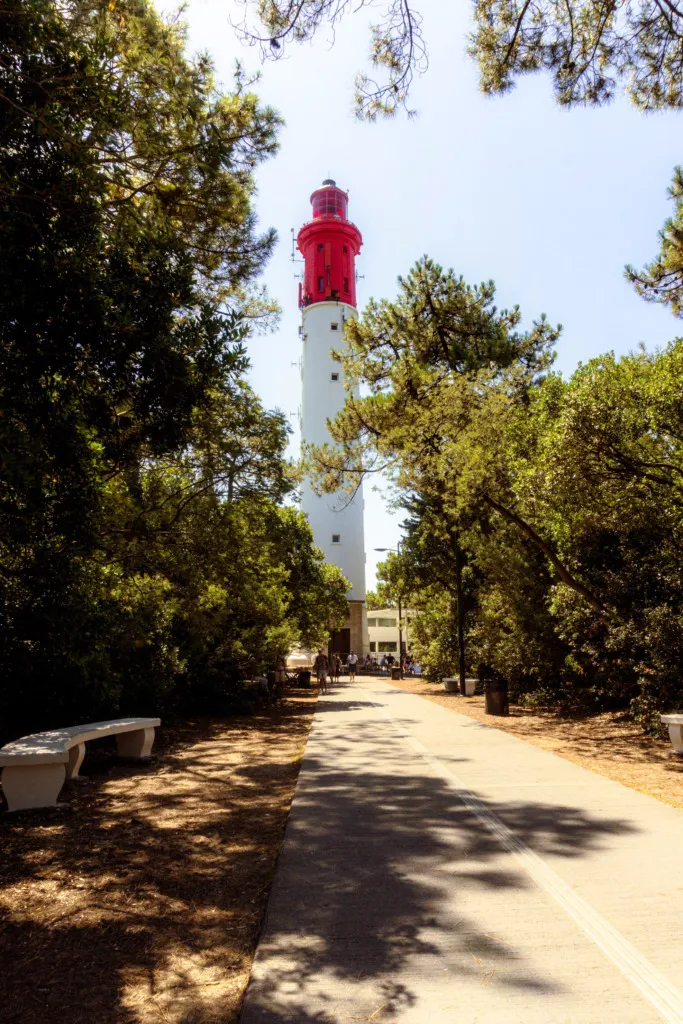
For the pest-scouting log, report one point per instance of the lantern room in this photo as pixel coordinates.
(329, 201)
(329, 244)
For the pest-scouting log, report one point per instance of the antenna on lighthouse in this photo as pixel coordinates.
(293, 256)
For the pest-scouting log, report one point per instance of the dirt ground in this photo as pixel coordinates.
(142, 902)
(605, 743)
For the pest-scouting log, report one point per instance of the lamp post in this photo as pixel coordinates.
(397, 550)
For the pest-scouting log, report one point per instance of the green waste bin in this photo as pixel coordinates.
(496, 691)
(395, 673)
(304, 678)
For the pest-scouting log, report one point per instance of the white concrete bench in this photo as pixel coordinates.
(675, 723)
(451, 685)
(34, 767)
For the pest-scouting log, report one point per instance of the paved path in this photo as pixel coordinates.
(438, 871)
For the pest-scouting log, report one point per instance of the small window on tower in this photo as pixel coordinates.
(346, 284)
(320, 283)
(334, 326)
(334, 376)
(320, 247)
(345, 248)
(336, 538)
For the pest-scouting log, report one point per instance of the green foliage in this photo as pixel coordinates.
(433, 633)
(588, 47)
(145, 553)
(545, 515)
(432, 575)
(662, 280)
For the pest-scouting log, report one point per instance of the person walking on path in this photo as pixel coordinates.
(336, 668)
(352, 662)
(322, 667)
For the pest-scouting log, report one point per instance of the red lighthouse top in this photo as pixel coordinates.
(329, 244)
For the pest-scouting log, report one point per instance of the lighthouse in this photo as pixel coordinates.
(329, 244)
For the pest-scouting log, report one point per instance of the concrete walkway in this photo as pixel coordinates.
(438, 871)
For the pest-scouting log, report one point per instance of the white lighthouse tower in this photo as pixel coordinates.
(329, 243)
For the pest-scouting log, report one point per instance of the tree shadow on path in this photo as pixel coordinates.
(377, 878)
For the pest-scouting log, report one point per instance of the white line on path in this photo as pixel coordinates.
(657, 989)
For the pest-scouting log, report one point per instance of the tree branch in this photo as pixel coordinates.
(562, 571)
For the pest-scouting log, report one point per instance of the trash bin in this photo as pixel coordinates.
(395, 673)
(496, 691)
(304, 677)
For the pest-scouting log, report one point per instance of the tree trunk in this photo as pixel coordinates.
(461, 616)
(457, 557)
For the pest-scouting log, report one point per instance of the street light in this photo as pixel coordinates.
(397, 551)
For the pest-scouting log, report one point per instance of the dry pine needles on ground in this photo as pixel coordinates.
(142, 904)
(606, 743)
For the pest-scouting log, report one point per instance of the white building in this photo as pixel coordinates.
(383, 630)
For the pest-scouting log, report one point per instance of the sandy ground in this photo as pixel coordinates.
(142, 901)
(607, 743)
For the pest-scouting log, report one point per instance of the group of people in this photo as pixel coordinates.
(330, 666)
(409, 665)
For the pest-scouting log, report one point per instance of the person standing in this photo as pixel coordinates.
(352, 662)
(280, 675)
(322, 667)
(336, 671)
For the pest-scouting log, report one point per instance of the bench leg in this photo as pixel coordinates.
(135, 744)
(32, 785)
(76, 755)
(676, 736)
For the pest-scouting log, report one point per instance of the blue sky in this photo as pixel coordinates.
(549, 203)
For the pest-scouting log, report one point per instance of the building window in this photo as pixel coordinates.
(346, 284)
(320, 246)
(386, 645)
(372, 622)
(320, 283)
(345, 248)
(334, 376)
(387, 622)
(336, 538)
(334, 327)
(373, 647)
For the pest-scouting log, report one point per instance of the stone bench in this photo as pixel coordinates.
(34, 767)
(675, 723)
(452, 685)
